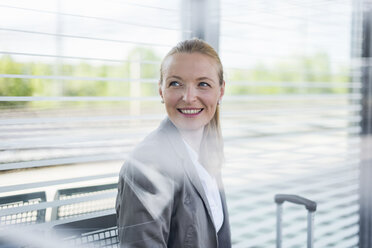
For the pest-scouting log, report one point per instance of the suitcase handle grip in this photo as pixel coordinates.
(309, 205)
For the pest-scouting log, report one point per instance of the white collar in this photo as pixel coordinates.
(210, 188)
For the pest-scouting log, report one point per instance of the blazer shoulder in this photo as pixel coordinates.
(152, 147)
(155, 152)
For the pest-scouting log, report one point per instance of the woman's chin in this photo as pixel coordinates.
(189, 125)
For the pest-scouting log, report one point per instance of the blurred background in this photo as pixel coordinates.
(78, 90)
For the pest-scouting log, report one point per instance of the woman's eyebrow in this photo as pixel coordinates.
(177, 77)
(204, 78)
(198, 79)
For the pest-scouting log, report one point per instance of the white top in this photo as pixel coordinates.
(210, 188)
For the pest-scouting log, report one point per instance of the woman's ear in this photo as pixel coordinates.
(222, 90)
(160, 90)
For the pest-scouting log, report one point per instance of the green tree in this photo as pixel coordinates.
(13, 86)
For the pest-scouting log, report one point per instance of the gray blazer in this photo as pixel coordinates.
(161, 202)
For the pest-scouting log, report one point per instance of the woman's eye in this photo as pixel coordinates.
(204, 84)
(174, 83)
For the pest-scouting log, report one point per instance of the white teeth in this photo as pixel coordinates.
(190, 111)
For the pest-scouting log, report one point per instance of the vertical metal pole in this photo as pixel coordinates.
(310, 229)
(201, 19)
(365, 197)
(366, 123)
(279, 209)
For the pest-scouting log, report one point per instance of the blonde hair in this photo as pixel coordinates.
(211, 147)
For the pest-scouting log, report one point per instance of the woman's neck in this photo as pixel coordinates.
(193, 138)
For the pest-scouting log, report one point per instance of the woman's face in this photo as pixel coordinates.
(190, 89)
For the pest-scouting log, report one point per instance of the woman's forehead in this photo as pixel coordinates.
(190, 62)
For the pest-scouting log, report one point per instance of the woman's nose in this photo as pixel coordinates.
(189, 94)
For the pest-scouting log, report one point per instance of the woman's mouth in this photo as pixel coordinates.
(190, 111)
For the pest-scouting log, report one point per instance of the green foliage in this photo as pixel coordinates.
(301, 69)
(274, 78)
(13, 86)
(40, 87)
(85, 87)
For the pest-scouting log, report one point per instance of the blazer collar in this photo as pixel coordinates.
(175, 139)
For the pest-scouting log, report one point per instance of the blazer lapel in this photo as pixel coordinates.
(178, 145)
(224, 235)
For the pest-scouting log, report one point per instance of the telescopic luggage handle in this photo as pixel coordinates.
(309, 205)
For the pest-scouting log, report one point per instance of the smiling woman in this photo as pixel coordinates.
(190, 90)
(170, 191)
(202, 59)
